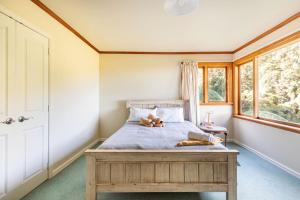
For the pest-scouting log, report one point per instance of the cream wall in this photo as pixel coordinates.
(279, 146)
(276, 145)
(141, 77)
(73, 87)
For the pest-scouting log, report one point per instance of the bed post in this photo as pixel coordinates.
(232, 177)
(90, 177)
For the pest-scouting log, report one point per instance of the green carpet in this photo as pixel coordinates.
(257, 180)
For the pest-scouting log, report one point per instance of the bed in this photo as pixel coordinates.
(141, 159)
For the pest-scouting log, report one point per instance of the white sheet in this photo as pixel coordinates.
(135, 136)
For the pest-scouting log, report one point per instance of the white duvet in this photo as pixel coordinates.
(134, 136)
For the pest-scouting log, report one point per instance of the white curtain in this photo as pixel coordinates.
(189, 88)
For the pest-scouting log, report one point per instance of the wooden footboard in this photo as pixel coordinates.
(161, 171)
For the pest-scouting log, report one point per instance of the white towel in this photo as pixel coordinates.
(201, 135)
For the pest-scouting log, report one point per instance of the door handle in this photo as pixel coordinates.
(8, 121)
(22, 118)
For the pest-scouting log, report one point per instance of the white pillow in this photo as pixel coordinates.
(137, 113)
(173, 114)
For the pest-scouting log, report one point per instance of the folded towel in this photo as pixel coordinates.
(192, 142)
(201, 135)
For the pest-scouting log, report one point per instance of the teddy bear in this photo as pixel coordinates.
(151, 121)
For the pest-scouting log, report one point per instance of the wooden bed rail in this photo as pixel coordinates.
(161, 171)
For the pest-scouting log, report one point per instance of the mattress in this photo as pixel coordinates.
(134, 136)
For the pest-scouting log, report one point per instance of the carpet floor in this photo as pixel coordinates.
(257, 180)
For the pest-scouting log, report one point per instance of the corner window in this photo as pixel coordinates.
(268, 86)
(246, 89)
(279, 84)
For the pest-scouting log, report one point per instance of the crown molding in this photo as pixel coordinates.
(165, 52)
(64, 23)
(268, 32)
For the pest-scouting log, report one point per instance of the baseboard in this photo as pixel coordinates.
(267, 158)
(56, 169)
(102, 139)
(26, 187)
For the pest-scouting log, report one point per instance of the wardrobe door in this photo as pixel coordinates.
(32, 105)
(23, 109)
(8, 128)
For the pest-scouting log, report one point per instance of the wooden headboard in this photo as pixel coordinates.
(161, 104)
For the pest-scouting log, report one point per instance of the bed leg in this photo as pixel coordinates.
(230, 196)
(91, 193)
(232, 178)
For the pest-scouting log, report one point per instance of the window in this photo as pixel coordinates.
(246, 88)
(279, 84)
(201, 84)
(268, 86)
(215, 83)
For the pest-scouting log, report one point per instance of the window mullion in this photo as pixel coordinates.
(205, 84)
(239, 90)
(255, 88)
(227, 84)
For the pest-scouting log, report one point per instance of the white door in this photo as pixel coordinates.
(24, 98)
(32, 95)
(8, 129)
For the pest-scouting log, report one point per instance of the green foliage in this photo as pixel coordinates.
(279, 73)
(246, 74)
(216, 84)
(271, 115)
(267, 115)
(279, 85)
(214, 95)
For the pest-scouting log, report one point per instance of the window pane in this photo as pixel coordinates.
(279, 84)
(216, 84)
(246, 88)
(201, 84)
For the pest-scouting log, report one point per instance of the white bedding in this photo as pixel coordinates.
(134, 136)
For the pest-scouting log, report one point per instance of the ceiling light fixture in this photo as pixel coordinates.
(180, 7)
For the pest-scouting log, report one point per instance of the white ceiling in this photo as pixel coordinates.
(142, 25)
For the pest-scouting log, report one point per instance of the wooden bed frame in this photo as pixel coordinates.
(161, 170)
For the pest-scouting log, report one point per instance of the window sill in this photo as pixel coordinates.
(216, 104)
(269, 123)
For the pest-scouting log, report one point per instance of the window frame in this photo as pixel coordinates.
(228, 86)
(255, 88)
(252, 57)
